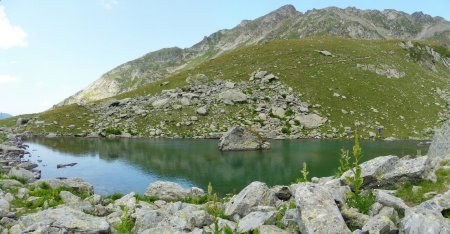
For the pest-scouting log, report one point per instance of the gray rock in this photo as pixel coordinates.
(147, 219)
(278, 111)
(4, 207)
(240, 138)
(255, 194)
(379, 224)
(11, 149)
(254, 220)
(284, 193)
(77, 184)
(419, 220)
(169, 191)
(389, 170)
(202, 111)
(75, 202)
(128, 201)
(222, 224)
(290, 219)
(198, 79)
(61, 220)
(9, 183)
(438, 203)
(318, 211)
(23, 173)
(232, 96)
(354, 218)
(389, 200)
(440, 147)
(326, 53)
(160, 103)
(311, 121)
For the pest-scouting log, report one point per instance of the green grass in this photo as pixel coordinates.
(362, 202)
(126, 224)
(442, 184)
(301, 67)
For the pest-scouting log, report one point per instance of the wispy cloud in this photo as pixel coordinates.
(8, 79)
(109, 4)
(10, 35)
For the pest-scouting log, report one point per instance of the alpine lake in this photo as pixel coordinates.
(126, 165)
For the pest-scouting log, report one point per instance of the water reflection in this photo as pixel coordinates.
(129, 165)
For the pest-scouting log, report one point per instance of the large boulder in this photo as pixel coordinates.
(24, 174)
(255, 194)
(232, 96)
(440, 147)
(75, 202)
(77, 184)
(427, 217)
(8, 148)
(147, 219)
(311, 121)
(390, 170)
(60, 220)
(160, 103)
(254, 220)
(240, 138)
(318, 212)
(171, 191)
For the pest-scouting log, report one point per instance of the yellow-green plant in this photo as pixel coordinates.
(356, 181)
(304, 172)
(344, 162)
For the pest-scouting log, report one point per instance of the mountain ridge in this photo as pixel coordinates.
(283, 23)
(5, 115)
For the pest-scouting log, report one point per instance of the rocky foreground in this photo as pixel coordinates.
(30, 205)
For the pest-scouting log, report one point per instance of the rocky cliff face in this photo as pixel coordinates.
(284, 23)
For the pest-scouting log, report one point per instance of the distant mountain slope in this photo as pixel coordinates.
(284, 23)
(4, 115)
(327, 88)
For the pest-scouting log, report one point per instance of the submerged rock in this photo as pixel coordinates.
(240, 138)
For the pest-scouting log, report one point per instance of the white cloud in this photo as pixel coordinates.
(7, 79)
(109, 4)
(10, 35)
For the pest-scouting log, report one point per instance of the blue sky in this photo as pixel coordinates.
(50, 49)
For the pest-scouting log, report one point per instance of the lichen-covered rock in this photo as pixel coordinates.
(379, 224)
(419, 220)
(389, 200)
(389, 170)
(77, 184)
(240, 138)
(311, 121)
(232, 96)
(171, 191)
(318, 212)
(75, 202)
(61, 220)
(254, 220)
(354, 218)
(23, 173)
(255, 194)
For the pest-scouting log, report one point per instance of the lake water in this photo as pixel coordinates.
(126, 165)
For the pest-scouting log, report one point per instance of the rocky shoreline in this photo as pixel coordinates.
(319, 206)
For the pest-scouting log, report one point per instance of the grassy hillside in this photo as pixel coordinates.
(333, 86)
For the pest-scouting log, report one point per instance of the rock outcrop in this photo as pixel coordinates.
(240, 138)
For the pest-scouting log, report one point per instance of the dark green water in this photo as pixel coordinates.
(130, 165)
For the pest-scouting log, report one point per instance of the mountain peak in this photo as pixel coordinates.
(286, 10)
